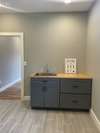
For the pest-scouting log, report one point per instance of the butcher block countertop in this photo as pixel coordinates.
(63, 75)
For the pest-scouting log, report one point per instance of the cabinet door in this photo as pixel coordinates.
(51, 98)
(44, 93)
(37, 96)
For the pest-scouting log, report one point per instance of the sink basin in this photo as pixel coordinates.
(45, 74)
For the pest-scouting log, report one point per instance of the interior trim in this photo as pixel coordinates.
(8, 85)
(95, 119)
(26, 98)
(20, 35)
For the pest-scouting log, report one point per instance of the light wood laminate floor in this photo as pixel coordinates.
(17, 117)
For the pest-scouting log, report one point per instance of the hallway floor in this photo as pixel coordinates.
(13, 92)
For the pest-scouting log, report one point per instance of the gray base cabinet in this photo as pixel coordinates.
(61, 93)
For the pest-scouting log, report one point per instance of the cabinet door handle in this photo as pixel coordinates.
(44, 89)
(74, 101)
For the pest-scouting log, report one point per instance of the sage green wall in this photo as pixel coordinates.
(48, 39)
(93, 55)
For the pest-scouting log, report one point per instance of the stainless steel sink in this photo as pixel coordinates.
(45, 74)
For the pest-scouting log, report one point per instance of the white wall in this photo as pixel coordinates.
(93, 54)
(9, 60)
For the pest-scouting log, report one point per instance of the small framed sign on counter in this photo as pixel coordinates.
(70, 65)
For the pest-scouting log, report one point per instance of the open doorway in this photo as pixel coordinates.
(11, 66)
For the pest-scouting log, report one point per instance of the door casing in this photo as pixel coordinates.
(20, 35)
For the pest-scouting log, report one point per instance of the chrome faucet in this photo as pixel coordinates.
(45, 68)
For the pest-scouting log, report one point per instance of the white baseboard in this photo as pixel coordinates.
(26, 98)
(96, 120)
(8, 85)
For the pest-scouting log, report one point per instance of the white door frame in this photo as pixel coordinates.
(18, 34)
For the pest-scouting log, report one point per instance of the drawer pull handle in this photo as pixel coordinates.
(74, 101)
(44, 81)
(75, 86)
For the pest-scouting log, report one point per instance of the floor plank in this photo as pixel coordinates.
(17, 117)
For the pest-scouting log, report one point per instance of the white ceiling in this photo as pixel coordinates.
(44, 5)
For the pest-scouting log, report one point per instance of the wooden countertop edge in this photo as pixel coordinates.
(63, 75)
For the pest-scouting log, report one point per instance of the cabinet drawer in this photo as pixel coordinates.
(40, 82)
(69, 101)
(76, 86)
